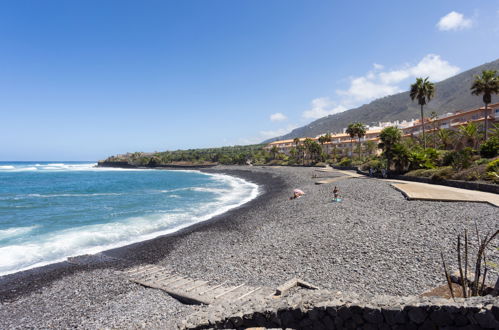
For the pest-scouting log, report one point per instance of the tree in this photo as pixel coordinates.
(486, 84)
(352, 131)
(313, 148)
(322, 140)
(433, 117)
(469, 135)
(445, 136)
(274, 151)
(423, 90)
(296, 141)
(389, 137)
(370, 147)
(360, 130)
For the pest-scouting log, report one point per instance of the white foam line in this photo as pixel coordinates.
(233, 181)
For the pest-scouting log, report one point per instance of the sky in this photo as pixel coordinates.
(86, 79)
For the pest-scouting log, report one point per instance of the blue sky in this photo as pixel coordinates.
(82, 80)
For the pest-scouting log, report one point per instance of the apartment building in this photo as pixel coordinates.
(341, 143)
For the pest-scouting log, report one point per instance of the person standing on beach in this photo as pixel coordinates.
(336, 193)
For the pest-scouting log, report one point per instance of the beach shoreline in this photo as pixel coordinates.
(374, 242)
(20, 283)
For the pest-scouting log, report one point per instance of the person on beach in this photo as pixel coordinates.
(297, 193)
(336, 193)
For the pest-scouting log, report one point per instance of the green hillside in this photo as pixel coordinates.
(451, 94)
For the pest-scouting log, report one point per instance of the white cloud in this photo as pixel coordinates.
(265, 135)
(434, 67)
(454, 21)
(367, 88)
(278, 117)
(382, 83)
(322, 107)
(378, 83)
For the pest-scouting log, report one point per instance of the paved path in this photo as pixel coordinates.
(426, 191)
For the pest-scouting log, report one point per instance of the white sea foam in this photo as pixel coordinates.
(72, 195)
(57, 246)
(15, 231)
(61, 167)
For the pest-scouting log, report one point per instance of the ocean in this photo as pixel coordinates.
(53, 210)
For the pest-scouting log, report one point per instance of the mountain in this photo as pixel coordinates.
(451, 95)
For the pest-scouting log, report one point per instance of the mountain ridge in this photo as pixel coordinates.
(452, 94)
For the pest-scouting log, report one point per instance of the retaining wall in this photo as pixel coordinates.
(326, 310)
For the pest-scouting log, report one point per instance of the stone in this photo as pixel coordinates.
(369, 326)
(486, 320)
(373, 315)
(328, 323)
(350, 324)
(358, 319)
(461, 320)
(332, 311)
(441, 317)
(344, 313)
(407, 326)
(236, 321)
(287, 319)
(417, 315)
(318, 325)
(314, 314)
(428, 325)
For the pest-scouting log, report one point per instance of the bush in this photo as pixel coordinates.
(459, 159)
(375, 164)
(320, 164)
(490, 148)
(493, 166)
(435, 174)
(345, 162)
(471, 174)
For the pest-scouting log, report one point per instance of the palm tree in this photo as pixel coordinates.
(322, 140)
(352, 131)
(433, 117)
(274, 151)
(390, 137)
(470, 135)
(445, 137)
(296, 141)
(370, 147)
(486, 84)
(360, 132)
(423, 90)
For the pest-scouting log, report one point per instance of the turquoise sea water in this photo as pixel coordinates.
(52, 210)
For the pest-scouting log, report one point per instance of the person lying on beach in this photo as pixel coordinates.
(297, 193)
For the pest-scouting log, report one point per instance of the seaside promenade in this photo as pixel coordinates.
(375, 242)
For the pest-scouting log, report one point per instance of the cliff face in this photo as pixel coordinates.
(451, 94)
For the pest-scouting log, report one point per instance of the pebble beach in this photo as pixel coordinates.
(374, 242)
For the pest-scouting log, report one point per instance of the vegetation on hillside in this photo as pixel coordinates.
(223, 155)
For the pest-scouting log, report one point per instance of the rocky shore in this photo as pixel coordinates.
(374, 242)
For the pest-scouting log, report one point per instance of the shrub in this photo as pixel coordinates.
(490, 148)
(435, 174)
(320, 164)
(459, 159)
(375, 164)
(493, 166)
(471, 174)
(345, 162)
